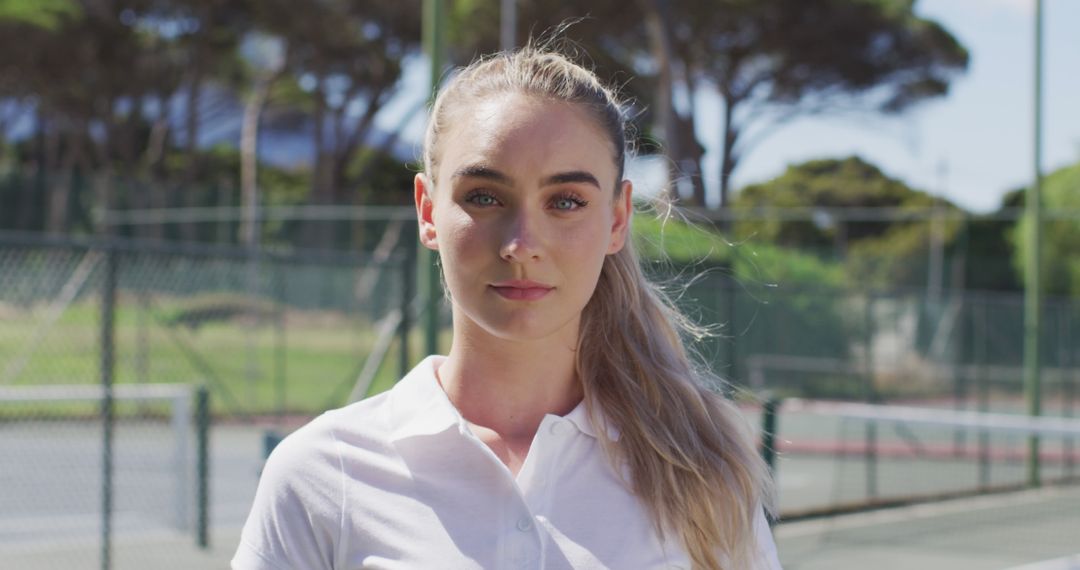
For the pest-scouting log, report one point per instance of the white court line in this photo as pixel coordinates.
(1067, 563)
(915, 512)
(31, 532)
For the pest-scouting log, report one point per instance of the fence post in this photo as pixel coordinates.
(726, 348)
(870, 453)
(182, 423)
(768, 436)
(870, 456)
(280, 379)
(1033, 282)
(434, 32)
(983, 385)
(732, 300)
(1067, 381)
(768, 432)
(202, 427)
(959, 359)
(108, 331)
(869, 389)
(408, 264)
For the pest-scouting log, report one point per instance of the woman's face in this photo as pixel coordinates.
(523, 215)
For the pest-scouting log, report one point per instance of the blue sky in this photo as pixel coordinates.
(971, 146)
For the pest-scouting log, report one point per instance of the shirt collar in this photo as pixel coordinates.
(419, 407)
(579, 416)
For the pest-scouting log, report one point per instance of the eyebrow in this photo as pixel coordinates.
(487, 173)
(480, 171)
(572, 177)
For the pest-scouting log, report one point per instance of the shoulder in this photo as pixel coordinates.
(319, 444)
(351, 435)
(297, 516)
(366, 419)
(307, 467)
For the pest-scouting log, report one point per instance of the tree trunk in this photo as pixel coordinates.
(154, 161)
(103, 181)
(315, 231)
(59, 191)
(728, 158)
(5, 123)
(192, 159)
(665, 122)
(33, 183)
(691, 158)
(249, 161)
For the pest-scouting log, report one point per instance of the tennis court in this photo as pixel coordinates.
(952, 487)
(1033, 530)
(51, 518)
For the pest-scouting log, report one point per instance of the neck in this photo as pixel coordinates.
(509, 386)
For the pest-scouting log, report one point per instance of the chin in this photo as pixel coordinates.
(526, 330)
(527, 326)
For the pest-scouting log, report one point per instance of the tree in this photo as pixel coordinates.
(347, 59)
(823, 185)
(772, 60)
(608, 37)
(47, 14)
(83, 80)
(768, 60)
(888, 252)
(1061, 236)
(210, 33)
(101, 81)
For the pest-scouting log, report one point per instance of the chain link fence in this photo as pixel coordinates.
(965, 349)
(278, 337)
(100, 477)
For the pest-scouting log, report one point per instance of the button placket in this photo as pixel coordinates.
(525, 524)
(547, 466)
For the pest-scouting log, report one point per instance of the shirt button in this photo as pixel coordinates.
(525, 524)
(558, 427)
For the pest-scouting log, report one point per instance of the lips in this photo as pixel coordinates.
(521, 289)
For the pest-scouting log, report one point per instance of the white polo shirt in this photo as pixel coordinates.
(399, 481)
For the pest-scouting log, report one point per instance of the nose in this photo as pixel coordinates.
(520, 243)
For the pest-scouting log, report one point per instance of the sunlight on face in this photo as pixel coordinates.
(523, 214)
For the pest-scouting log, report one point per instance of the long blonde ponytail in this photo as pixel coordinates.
(690, 456)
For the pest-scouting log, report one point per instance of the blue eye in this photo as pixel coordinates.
(480, 198)
(568, 203)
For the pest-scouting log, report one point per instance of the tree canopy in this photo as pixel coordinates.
(770, 61)
(849, 209)
(141, 89)
(46, 14)
(1061, 236)
(824, 184)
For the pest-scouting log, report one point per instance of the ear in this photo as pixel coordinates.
(424, 211)
(623, 212)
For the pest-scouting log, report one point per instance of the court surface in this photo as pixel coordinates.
(1028, 530)
(993, 532)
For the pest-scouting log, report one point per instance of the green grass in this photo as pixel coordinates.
(240, 362)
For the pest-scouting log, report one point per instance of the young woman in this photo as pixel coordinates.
(566, 428)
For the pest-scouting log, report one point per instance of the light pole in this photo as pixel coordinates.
(1033, 269)
(508, 25)
(434, 23)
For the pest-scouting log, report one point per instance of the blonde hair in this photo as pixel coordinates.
(690, 457)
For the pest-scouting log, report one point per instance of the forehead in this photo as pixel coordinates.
(526, 132)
